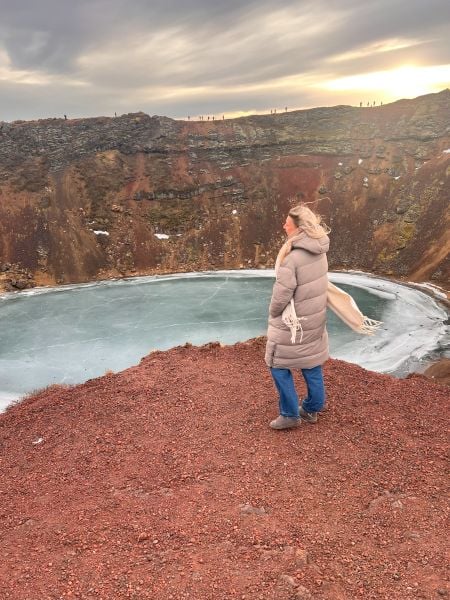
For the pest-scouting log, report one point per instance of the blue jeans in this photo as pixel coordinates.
(288, 400)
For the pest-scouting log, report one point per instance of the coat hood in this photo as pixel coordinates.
(313, 245)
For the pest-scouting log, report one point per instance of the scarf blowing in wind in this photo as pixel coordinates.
(341, 303)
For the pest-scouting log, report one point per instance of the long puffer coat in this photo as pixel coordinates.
(303, 275)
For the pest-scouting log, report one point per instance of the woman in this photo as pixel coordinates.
(302, 276)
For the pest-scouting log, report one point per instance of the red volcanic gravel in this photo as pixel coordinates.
(165, 482)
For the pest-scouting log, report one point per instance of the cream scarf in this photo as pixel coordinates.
(341, 303)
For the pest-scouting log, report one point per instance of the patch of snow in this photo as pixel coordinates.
(360, 161)
(38, 441)
(398, 177)
(446, 151)
(234, 211)
(162, 236)
(100, 232)
(340, 164)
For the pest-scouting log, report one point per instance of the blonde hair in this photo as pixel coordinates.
(308, 221)
(305, 220)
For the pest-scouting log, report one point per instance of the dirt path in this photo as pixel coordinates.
(164, 482)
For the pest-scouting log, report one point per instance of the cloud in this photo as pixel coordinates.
(375, 48)
(261, 47)
(178, 57)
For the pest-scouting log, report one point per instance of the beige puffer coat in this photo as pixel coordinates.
(303, 275)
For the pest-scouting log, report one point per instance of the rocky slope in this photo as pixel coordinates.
(220, 191)
(165, 481)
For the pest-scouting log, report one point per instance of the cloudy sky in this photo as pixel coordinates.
(214, 57)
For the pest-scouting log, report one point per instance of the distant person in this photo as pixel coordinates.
(65, 117)
(302, 281)
(285, 109)
(360, 104)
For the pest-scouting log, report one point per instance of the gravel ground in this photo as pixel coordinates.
(165, 482)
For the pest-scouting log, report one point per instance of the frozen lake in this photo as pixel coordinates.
(73, 333)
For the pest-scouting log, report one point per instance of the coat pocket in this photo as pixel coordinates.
(270, 353)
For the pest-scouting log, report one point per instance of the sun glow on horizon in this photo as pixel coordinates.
(407, 81)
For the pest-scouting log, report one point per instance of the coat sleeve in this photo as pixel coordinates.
(283, 290)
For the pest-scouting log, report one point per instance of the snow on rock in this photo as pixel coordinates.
(100, 232)
(446, 151)
(162, 236)
(360, 161)
(234, 211)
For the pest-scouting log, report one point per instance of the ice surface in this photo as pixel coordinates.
(73, 333)
(413, 325)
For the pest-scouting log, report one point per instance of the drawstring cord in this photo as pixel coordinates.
(289, 318)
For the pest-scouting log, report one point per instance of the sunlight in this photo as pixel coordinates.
(404, 82)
